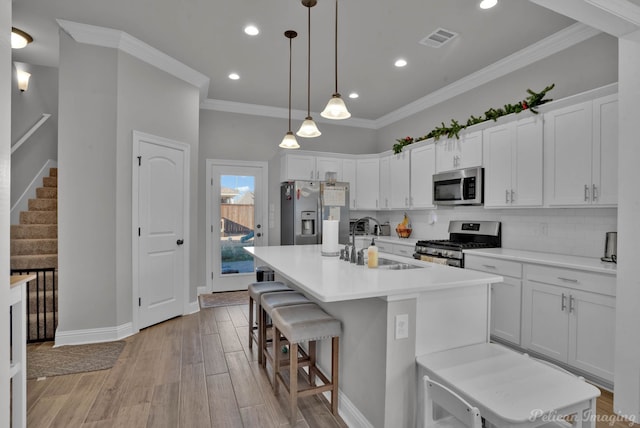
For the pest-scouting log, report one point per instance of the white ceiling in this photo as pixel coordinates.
(207, 35)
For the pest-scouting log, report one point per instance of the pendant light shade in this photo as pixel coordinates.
(336, 108)
(289, 141)
(308, 129)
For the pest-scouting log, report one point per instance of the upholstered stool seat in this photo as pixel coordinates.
(305, 323)
(268, 302)
(256, 290)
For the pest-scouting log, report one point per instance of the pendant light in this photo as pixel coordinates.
(289, 141)
(308, 129)
(336, 109)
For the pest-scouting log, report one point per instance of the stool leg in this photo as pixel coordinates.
(312, 363)
(250, 322)
(276, 359)
(335, 352)
(262, 325)
(293, 382)
(260, 320)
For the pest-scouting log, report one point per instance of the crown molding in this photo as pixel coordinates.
(116, 39)
(280, 113)
(622, 9)
(548, 46)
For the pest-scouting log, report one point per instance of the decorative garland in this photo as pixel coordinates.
(453, 130)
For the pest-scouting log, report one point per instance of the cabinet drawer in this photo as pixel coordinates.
(384, 247)
(581, 280)
(496, 266)
(403, 250)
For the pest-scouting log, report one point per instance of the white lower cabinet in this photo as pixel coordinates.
(505, 296)
(568, 324)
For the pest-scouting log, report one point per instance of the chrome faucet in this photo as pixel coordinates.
(353, 235)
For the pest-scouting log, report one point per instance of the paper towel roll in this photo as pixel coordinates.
(330, 245)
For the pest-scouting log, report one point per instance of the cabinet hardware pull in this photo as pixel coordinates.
(571, 300)
(512, 196)
(586, 193)
(563, 304)
(594, 192)
(567, 279)
(489, 266)
(506, 196)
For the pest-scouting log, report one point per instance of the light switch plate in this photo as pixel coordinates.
(402, 326)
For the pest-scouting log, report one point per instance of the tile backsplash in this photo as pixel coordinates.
(575, 231)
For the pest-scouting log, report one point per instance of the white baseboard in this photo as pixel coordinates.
(203, 290)
(22, 204)
(193, 307)
(93, 335)
(349, 412)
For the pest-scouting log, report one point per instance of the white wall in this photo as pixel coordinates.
(26, 109)
(587, 65)
(5, 177)
(104, 96)
(627, 362)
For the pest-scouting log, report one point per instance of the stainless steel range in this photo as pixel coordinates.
(463, 235)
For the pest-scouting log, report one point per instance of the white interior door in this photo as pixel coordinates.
(162, 207)
(237, 208)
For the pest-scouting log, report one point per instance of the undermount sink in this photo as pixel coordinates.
(395, 265)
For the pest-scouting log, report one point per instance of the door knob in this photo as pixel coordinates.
(258, 234)
(180, 241)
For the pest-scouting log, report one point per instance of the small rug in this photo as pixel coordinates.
(227, 298)
(44, 360)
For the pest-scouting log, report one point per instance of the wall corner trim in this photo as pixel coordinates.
(116, 39)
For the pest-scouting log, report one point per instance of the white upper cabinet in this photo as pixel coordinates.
(399, 184)
(367, 183)
(513, 163)
(349, 176)
(458, 153)
(423, 166)
(581, 149)
(297, 166)
(385, 182)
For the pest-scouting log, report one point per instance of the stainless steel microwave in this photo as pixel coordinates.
(459, 187)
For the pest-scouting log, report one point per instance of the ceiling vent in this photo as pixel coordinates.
(438, 38)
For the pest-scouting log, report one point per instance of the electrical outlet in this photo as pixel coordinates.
(402, 326)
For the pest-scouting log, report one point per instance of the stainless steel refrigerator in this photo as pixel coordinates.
(303, 206)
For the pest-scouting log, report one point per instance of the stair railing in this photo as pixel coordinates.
(41, 322)
(30, 132)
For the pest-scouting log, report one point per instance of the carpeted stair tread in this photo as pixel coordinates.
(43, 300)
(39, 217)
(34, 262)
(43, 204)
(46, 321)
(50, 181)
(23, 247)
(47, 192)
(34, 231)
(53, 172)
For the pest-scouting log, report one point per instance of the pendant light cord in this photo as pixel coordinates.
(290, 44)
(336, 48)
(309, 63)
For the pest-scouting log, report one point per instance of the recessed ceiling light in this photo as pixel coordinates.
(488, 4)
(353, 95)
(400, 63)
(19, 39)
(251, 30)
(234, 76)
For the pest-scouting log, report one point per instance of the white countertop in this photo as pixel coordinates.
(550, 259)
(394, 239)
(330, 279)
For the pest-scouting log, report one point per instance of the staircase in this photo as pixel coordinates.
(34, 249)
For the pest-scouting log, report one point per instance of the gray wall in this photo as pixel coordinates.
(590, 64)
(27, 108)
(5, 178)
(104, 96)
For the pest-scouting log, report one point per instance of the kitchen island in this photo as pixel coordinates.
(389, 316)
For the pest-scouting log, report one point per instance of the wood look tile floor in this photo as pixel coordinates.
(195, 371)
(189, 372)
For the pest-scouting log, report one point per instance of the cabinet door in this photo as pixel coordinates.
(300, 167)
(604, 189)
(527, 169)
(447, 154)
(367, 182)
(385, 182)
(349, 176)
(423, 165)
(497, 165)
(399, 175)
(591, 333)
(470, 150)
(404, 250)
(324, 165)
(506, 298)
(568, 153)
(545, 327)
